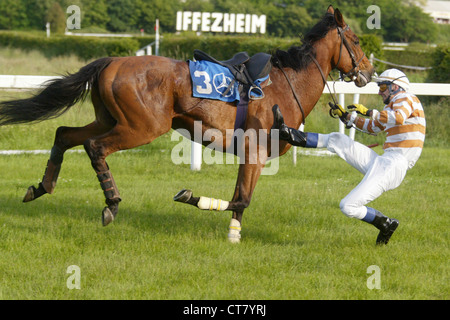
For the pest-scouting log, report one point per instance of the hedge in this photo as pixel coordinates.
(84, 47)
(221, 47)
(181, 47)
(409, 57)
(174, 46)
(441, 65)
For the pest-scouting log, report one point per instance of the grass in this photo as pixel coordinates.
(16, 62)
(296, 244)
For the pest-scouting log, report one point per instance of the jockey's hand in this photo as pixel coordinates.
(359, 108)
(338, 110)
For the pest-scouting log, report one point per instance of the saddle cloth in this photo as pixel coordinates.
(213, 81)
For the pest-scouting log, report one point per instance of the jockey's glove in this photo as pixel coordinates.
(338, 110)
(359, 108)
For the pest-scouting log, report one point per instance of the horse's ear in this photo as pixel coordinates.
(330, 9)
(339, 18)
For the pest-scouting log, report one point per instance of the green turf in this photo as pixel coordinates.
(296, 244)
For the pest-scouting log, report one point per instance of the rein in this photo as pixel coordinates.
(325, 79)
(293, 91)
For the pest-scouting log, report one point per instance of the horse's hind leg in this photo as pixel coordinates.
(50, 176)
(98, 148)
(65, 138)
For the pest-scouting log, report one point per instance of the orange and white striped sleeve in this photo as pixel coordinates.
(371, 125)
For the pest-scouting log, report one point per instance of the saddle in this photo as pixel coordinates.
(245, 69)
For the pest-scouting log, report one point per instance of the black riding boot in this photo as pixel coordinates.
(291, 135)
(386, 226)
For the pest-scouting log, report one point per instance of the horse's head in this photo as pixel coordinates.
(348, 56)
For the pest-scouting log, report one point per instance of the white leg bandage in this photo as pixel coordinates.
(206, 203)
(234, 233)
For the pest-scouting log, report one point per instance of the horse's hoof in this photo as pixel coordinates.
(34, 193)
(29, 196)
(107, 216)
(234, 240)
(183, 196)
(234, 231)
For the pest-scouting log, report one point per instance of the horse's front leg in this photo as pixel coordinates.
(246, 182)
(245, 185)
(252, 163)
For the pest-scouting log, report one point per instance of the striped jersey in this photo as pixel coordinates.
(403, 119)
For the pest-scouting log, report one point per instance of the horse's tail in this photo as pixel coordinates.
(56, 98)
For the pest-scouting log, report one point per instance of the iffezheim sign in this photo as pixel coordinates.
(220, 22)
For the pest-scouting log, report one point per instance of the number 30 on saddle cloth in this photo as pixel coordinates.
(213, 81)
(241, 79)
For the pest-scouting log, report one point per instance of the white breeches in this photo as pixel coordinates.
(381, 172)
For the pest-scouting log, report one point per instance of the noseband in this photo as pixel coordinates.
(351, 75)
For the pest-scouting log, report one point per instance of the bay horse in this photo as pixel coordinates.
(137, 99)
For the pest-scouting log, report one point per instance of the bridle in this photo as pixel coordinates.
(351, 75)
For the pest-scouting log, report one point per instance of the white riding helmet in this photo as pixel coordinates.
(394, 76)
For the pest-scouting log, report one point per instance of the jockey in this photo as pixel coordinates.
(402, 118)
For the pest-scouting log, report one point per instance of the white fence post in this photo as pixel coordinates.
(294, 148)
(148, 48)
(47, 29)
(196, 156)
(342, 103)
(352, 130)
(157, 37)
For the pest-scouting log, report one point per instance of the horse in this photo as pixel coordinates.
(137, 99)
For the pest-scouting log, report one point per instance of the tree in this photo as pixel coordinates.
(57, 18)
(441, 65)
(123, 14)
(287, 20)
(13, 15)
(36, 13)
(95, 13)
(403, 22)
(163, 10)
(295, 21)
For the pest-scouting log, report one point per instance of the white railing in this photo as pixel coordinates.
(23, 82)
(339, 88)
(102, 35)
(419, 89)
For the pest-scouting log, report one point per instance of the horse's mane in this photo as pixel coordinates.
(297, 57)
